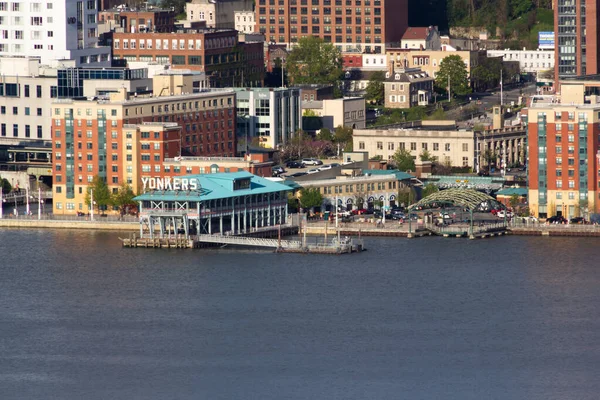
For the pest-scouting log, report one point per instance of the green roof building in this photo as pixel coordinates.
(223, 203)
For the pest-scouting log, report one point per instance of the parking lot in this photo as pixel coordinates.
(290, 171)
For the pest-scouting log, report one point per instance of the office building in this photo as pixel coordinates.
(530, 61)
(270, 116)
(65, 30)
(450, 146)
(367, 26)
(347, 111)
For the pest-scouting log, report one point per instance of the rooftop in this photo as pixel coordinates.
(216, 186)
(416, 33)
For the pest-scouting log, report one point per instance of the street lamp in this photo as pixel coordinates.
(27, 199)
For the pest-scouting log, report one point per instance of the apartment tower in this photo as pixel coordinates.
(352, 25)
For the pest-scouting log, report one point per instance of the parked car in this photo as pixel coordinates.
(297, 174)
(294, 164)
(530, 220)
(556, 219)
(313, 171)
(312, 161)
(278, 170)
(325, 167)
(577, 220)
(500, 214)
(358, 211)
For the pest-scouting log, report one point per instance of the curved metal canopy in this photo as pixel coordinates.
(467, 198)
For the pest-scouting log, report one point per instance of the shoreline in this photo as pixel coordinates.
(314, 230)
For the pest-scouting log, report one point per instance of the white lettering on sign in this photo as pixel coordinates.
(174, 184)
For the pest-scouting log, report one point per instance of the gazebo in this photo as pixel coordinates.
(468, 199)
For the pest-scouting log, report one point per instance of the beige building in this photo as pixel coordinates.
(217, 14)
(244, 21)
(348, 111)
(450, 146)
(362, 191)
(407, 88)
(429, 60)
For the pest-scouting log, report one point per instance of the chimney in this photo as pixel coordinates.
(391, 68)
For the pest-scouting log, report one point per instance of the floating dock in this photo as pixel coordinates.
(254, 239)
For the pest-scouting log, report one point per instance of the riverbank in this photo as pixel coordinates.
(313, 228)
(67, 224)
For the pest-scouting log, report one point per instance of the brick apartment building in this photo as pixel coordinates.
(352, 25)
(218, 53)
(138, 20)
(563, 147)
(124, 136)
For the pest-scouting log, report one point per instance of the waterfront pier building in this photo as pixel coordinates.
(223, 203)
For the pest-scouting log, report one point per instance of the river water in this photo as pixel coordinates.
(427, 318)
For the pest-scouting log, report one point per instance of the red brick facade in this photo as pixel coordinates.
(218, 53)
(370, 24)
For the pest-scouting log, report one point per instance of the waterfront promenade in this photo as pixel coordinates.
(367, 227)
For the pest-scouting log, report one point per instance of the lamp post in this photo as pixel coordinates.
(27, 200)
(1, 202)
(39, 203)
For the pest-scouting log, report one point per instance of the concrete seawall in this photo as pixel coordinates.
(58, 224)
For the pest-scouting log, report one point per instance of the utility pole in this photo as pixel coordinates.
(501, 93)
(449, 88)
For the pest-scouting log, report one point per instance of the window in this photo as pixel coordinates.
(361, 145)
(447, 147)
(465, 147)
(413, 146)
(38, 91)
(379, 145)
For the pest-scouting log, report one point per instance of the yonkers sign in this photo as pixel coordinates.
(170, 184)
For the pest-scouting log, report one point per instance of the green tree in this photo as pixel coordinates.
(513, 201)
(310, 198)
(313, 61)
(375, 88)
(177, 5)
(404, 160)
(343, 136)
(325, 134)
(429, 189)
(453, 70)
(123, 199)
(427, 156)
(406, 197)
(101, 193)
(5, 185)
(489, 156)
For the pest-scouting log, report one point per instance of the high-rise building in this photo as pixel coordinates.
(53, 30)
(352, 25)
(576, 38)
(563, 148)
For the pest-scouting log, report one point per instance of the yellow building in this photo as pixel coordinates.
(429, 60)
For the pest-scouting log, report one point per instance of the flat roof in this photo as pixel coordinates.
(216, 186)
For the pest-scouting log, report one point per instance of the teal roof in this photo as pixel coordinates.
(510, 191)
(401, 176)
(216, 186)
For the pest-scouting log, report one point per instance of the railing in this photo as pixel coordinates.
(516, 224)
(98, 218)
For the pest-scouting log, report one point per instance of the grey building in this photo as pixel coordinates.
(273, 115)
